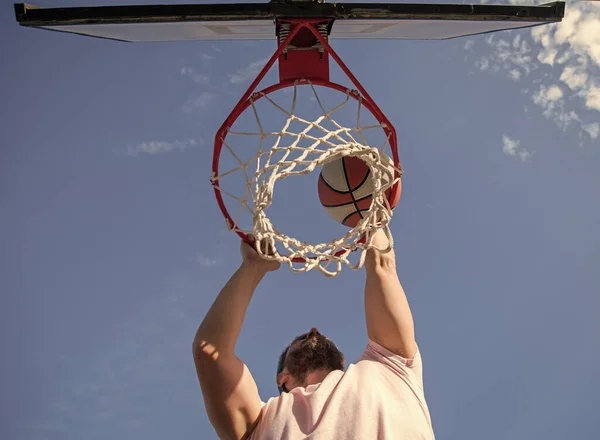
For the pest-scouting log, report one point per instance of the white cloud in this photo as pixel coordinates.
(547, 56)
(574, 77)
(508, 55)
(157, 147)
(198, 78)
(593, 130)
(205, 261)
(592, 97)
(509, 147)
(571, 48)
(553, 93)
(550, 99)
(524, 155)
(201, 102)
(248, 72)
(512, 148)
(207, 57)
(483, 64)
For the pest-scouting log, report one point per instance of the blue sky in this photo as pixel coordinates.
(113, 247)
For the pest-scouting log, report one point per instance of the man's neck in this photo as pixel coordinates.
(315, 377)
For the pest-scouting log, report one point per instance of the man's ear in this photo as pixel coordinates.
(282, 378)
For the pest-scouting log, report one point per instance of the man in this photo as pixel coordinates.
(379, 398)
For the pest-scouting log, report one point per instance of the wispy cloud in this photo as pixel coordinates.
(205, 261)
(191, 73)
(551, 100)
(156, 147)
(512, 147)
(592, 129)
(200, 102)
(248, 72)
(100, 397)
(573, 48)
(507, 56)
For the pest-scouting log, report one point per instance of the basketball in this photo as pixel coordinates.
(346, 188)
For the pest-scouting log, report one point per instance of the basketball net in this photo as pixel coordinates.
(278, 159)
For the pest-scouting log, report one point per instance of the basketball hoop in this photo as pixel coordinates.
(303, 58)
(303, 53)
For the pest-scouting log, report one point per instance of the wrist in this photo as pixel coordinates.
(254, 267)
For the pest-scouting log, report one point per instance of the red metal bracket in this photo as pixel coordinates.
(304, 57)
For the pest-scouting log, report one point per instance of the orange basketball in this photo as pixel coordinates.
(346, 189)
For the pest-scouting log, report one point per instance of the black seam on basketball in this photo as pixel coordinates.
(331, 187)
(349, 203)
(363, 181)
(348, 184)
(350, 215)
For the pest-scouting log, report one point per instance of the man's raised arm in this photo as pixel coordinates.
(389, 320)
(230, 393)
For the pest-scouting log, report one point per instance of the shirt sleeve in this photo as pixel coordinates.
(409, 369)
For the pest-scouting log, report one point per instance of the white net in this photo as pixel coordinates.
(300, 147)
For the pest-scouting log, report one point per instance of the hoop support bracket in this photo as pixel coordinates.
(305, 56)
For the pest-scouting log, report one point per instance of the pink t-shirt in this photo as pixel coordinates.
(378, 398)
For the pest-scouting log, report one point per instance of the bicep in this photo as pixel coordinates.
(230, 395)
(389, 319)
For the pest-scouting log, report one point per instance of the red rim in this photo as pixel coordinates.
(249, 96)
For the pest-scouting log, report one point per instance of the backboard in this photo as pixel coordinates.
(255, 21)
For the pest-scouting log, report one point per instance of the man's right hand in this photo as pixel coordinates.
(251, 257)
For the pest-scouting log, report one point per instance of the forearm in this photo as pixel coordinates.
(389, 319)
(218, 333)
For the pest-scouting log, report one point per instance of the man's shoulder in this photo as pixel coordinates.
(378, 353)
(378, 359)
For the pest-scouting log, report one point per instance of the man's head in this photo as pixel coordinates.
(307, 360)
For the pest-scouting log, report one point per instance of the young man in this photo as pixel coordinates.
(378, 398)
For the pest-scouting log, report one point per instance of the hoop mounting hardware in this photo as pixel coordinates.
(305, 56)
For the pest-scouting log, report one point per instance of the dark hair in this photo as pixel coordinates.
(281, 362)
(336, 364)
